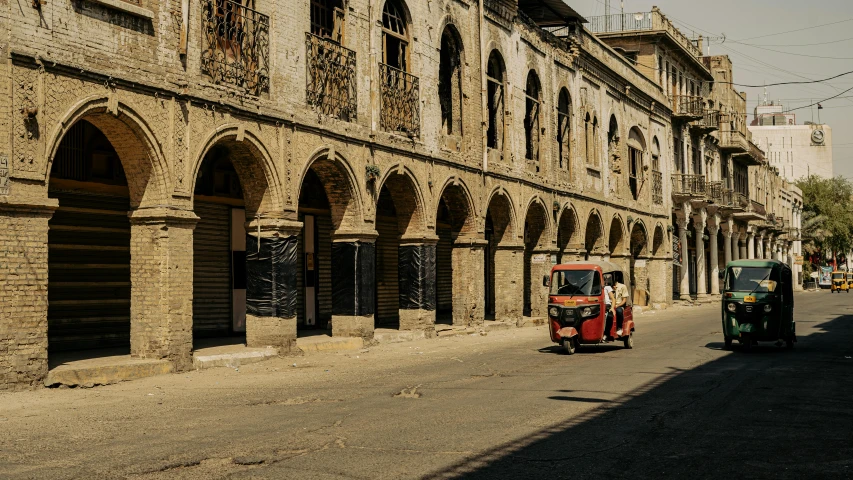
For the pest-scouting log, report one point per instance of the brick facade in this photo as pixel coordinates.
(162, 115)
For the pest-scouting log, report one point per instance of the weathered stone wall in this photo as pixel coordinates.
(122, 73)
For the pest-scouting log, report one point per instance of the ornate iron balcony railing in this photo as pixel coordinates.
(657, 187)
(688, 185)
(688, 106)
(399, 94)
(235, 47)
(331, 79)
(716, 192)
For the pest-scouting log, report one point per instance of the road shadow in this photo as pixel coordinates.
(771, 413)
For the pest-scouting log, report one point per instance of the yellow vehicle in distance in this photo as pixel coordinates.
(839, 282)
(849, 281)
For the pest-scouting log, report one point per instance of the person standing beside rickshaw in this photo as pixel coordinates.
(620, 292)
(608, 305)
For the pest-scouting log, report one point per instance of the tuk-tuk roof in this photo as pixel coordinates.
(757, 263)
(590, 264)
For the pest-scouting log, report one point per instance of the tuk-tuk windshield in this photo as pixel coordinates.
(751, 279)
(838, 276)
(576, 282)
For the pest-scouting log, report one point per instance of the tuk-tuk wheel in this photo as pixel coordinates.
(629, 341)
(570, 345)
(728, 343)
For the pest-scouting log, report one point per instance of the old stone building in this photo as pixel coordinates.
(725, 196)
(178, 170)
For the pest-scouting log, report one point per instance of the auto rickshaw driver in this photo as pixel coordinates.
(608, 305)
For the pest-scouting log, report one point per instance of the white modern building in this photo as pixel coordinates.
(796, 150)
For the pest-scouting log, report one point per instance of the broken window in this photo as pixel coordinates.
(495, 92)
(399, 90)
(563, 129)
(236, 44)
(331, 84)
(531, 119)
(449, 83)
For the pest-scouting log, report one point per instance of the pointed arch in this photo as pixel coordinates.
(658, 241)
(406, 193)
(639, 240)
(616, 235)
(568, 229)
(594, 233)
(459, 203)
(501, 216)
(537, 223)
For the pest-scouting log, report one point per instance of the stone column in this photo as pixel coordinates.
(161, 276)
(272, 266)
(743, 251)
(759, 248)
(509, 286)
(699, 220)
(735, 245)
(684, 280)
(469, 286)
(685, 159)
(23, 292)
(767, 247)
(715, 260)
(540, 266)
(727, 245)
(750, 245)
(417, 282)
(353, 284)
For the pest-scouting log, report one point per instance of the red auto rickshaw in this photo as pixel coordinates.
(576, 306)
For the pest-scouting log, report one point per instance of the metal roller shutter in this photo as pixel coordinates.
(212, 285)
(300, 279)
(387, 272)
(444, 271)
(89, 272)
(324, 266)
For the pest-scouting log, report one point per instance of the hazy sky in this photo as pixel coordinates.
(796, 55)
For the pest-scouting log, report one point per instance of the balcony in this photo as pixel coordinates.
(399, 94)
(733, 141)
(657, 187)
(687, 187)
(331, 79)
(754, 156)
(709, 122)
(716, 192)
(688, 107)
(751, 211)
(235, 45)
(653, 21)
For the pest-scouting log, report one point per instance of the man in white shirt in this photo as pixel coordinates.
(620, 292)
(608, 304)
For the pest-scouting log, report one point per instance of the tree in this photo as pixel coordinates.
(827, 223)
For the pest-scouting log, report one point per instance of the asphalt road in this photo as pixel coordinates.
(506, 405)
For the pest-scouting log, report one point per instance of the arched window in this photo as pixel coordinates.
(395, 36)
(495, 92)
(449, 82)
(636, 147)
(564, 129)
(655, 155)
(614, 150)
(531, 118)
(657, 175)
(587, 138)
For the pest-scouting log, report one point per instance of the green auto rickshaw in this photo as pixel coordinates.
(758, 303)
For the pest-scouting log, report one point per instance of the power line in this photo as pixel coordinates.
(816, 103)
(793, 44)
(790, 83)
(794, 54)
(792, 31)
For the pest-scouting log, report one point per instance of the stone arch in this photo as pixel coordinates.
(616, 236)
(500, 211)
(340, 186)
(254, 166)
(460, 206)
(639, 240)
(568, 231)
(139, 151)
(406, 193)
(594, 234)
(537, 229)
(658, 241)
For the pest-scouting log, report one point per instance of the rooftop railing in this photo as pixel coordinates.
(642, 21)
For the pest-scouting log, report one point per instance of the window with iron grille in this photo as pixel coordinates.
(331, 68)
(531, 120)
(235, 49)
(399, 90)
